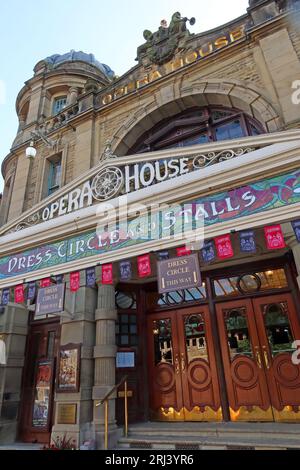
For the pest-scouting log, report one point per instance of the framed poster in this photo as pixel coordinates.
(68, 371)
(43, 389)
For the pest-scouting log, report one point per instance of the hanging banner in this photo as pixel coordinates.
(74, 281)
(247, 242)
(19, 294)
(144, 266)
(50, 300)
(107, 273)
(163, 255)
(125, 270)
(183, 251)
(208, 252)
(274, 237)
(45, 282)
(296, 227)
(224, 247)
(178, 274)
(59, 279)
(90, 277)
(31, 291)
(5, 296)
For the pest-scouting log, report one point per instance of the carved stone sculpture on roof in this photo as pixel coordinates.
(161, 45)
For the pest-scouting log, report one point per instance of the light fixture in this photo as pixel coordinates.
(31, 150)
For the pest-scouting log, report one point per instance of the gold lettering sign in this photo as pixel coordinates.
(66, 413)
(190, 57)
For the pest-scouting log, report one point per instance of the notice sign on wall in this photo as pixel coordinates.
(50, 300)
(178, 273)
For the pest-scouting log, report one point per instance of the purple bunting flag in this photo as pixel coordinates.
(125, 270)
(247, 242)
(296, 227)
(208, 252)
(163, 255)
(90, 276)
(31, 291)
(5, 296)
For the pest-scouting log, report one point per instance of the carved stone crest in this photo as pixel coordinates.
(161, 46)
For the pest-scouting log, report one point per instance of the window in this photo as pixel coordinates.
(59, 104)
(198, 126)
(126, 330)
(54, 180)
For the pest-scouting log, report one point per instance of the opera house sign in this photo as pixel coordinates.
(114, 180)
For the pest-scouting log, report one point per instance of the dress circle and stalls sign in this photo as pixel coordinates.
(260, 196)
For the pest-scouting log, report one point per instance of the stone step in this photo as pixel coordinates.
(183, 443)
(212, 436)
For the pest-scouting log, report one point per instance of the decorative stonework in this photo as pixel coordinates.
(107, 184)
(31, 220)
(161, 46)
(204, 160)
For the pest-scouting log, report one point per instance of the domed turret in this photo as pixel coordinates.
(56, 60)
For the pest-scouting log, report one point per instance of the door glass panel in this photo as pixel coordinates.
(237, 332)
(162, 337)
(51, 344)
(195, 337)
(252, 282)
(278, 328)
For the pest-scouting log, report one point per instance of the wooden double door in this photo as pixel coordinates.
(256, 337)
(37, 401)
(183, 378)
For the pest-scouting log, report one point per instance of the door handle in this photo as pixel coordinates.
(266, 357)
(258, 358)
(177, 369)
(182, 363)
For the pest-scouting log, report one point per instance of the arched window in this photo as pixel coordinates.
(198, 126)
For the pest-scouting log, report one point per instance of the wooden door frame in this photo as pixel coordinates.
(26, 369)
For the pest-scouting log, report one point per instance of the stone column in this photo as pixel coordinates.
(105, 363)
(78, 327)
(13, 328)
(72, 96)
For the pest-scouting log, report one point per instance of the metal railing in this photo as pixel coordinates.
(105, 402)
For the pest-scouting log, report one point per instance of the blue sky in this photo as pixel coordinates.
(31, 30)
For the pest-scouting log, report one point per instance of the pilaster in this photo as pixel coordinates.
(13, 329)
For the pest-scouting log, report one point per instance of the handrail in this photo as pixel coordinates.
(108, 395)
(105, 401)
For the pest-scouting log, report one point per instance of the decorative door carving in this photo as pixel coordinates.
(182, 371)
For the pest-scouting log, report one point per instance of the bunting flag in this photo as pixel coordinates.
(163, 255)
(19, 294)
(183, 251)
(90, 277)
(125, 270)
(274, 237)
(144, 266)
(208, 252)
(74, 281)
(59, 279)
(5, 296)
(107, 273)
(31, 291)
(45, 282)
(224, 247)
(296, 227)
(247, 242)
